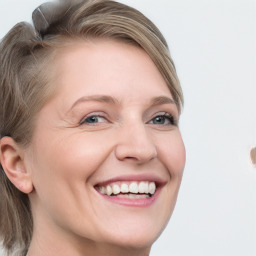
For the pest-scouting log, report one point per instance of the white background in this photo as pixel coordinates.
(213, 43)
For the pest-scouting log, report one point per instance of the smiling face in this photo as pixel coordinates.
(106, 155)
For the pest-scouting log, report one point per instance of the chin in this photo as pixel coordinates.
(140, 235)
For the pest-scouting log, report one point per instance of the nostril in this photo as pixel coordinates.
(133, 153)
(135, 144)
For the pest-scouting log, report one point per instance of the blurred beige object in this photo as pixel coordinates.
(253, 156)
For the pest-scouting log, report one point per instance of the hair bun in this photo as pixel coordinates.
(40, 17)
(49, 13)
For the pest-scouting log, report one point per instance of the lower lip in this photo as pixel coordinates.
(134, 202)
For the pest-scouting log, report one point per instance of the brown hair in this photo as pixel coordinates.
(24, 56)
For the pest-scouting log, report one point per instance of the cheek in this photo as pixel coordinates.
(61, 169)
(86, 153)
(76, 156)
(173, 154)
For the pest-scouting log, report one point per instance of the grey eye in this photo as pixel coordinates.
(163, 119)
(92, 119)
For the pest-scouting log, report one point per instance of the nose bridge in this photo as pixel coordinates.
(135, 143)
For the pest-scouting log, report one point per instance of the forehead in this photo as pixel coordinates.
(107, 67)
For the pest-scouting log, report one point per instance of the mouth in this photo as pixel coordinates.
(130, 192)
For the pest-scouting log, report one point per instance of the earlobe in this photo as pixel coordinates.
(12, 161)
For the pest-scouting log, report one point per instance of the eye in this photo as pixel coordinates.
(93, 119)
(165, 119)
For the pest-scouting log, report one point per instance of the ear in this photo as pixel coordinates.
(12, 161)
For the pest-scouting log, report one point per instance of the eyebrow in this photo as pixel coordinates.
(111, 100)
(161, 100)
(98, 98)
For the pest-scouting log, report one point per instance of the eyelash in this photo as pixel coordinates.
(93, 115)
(165, 116)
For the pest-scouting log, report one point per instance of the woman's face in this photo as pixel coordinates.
(101, 145)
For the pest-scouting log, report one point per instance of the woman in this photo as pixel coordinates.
(91, 153)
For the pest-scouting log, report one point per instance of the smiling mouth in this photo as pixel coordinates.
(128, 189)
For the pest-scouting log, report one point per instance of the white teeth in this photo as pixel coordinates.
(102, 190)
(137, 196)
(124, 188)
(143, 187)
(116, 189)
(129, 189)
(134, 188)
(152, 188)
(132, 196)
(109, 190)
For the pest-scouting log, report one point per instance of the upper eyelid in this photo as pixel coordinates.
(165, 114)
(163, 109)
(107, 116)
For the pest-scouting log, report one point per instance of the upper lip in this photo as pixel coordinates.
(151, 178)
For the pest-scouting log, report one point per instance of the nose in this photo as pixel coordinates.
(135, 144)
